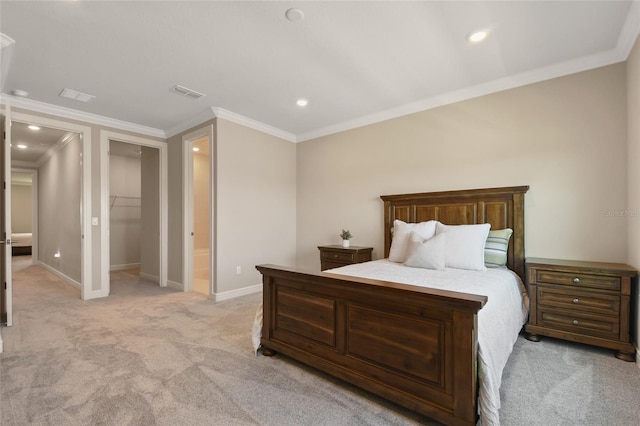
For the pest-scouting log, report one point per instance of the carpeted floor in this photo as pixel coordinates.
(152, 356)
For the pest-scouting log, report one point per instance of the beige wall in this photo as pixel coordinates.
(565, 137)
(201, 201)
(59, 224)
(256, 204)
(150, 213)
(21, 207)
(633, 137)
(124, 212)
(175, 177)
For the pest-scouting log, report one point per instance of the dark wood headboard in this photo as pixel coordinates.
(501, 207)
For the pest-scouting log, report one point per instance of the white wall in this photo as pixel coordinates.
(633, 205)
(125, 211)
(565, 137)
(59, 222)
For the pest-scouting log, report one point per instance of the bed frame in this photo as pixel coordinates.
(414, 346)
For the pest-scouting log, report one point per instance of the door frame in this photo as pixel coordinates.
(86, 240)
(188, 207)
(105, 138)
(7, 276)
(34, 210)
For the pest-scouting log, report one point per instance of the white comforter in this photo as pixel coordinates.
(499, 321)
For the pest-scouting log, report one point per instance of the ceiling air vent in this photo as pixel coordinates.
(76, 96)
(183, 91)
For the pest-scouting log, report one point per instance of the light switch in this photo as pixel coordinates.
(94, 221)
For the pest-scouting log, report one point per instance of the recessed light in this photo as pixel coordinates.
(302, 102)
(196, 149)
(294, 14)
(34, 128)
(22, 146)
(476, 37)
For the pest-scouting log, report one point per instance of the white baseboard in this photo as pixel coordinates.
(232, 294)
(149, 277)
(1, 347)
(124, 266)
(175, 285)
(63, 277)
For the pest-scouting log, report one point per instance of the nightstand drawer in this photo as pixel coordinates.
(578, 279)
(333, 256)
(578, 300)
(605, 327)
(337, 256)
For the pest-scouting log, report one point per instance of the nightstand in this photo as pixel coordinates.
(586, 302)
(336, 256)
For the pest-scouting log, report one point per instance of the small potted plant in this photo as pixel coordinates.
(345, 235)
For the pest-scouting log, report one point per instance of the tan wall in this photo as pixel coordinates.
(633, 137)
(176, 249)
(124, 212)
(59, 224)
(201, 201)
(256, 204)
(565, 137)
(21, 207)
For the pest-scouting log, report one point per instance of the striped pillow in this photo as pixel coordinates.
(496, 247)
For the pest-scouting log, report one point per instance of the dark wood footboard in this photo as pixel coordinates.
(414, 346)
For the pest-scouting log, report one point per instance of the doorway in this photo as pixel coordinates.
(134, 208)
(24, 215)
(198, 207)
(61, 235)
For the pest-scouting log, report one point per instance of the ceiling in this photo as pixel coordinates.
(356, 62)
(28, 146)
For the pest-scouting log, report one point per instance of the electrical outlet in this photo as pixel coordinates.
(238, 270)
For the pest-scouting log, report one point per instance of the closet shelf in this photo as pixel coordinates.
(124, 201)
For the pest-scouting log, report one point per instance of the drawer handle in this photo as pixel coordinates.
(335, 256)
(576, 280)
(576, 300)
(576, 322)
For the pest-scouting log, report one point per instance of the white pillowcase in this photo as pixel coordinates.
(465, 245)
(428, 254)
(401, 231)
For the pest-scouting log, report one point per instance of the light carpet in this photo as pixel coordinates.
(153, 356)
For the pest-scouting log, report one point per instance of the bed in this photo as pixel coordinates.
(21, 243)
(417, 346)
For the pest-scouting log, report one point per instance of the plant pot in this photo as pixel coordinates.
(345, 243)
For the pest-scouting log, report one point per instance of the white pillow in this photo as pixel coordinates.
(428, 254)
(465, 245)
(401, 231)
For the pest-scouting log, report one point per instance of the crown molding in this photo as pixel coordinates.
(58, 111)
(190, 123)
(499, 85)
(253, 124)
(630, 31)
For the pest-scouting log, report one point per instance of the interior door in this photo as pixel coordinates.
(5, 220)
